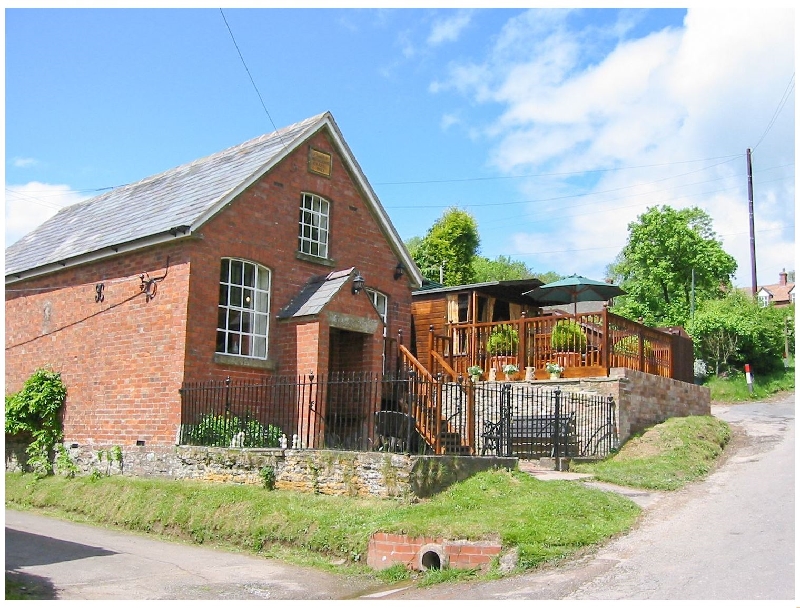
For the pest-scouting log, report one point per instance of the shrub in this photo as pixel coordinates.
(503, 340)
(735, 330)
(629, 347)
(220, 430)
(35, 411)
(568, 336)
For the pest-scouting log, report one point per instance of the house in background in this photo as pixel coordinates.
(780, 294)
(273, 257)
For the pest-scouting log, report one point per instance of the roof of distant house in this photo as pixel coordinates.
(174, 204)
(780, 292)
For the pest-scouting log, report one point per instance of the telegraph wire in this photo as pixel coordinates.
(781, 105)
(614, 246)
(557, 174)
(263, 105)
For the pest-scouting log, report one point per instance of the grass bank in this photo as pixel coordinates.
(665, 457)
(733, 388)
(545, 520)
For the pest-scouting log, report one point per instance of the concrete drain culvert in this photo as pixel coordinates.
(432, 557)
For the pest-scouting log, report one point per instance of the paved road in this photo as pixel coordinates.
(77, 562)
(729, 537)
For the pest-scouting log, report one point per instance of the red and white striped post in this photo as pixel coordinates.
(749, 377)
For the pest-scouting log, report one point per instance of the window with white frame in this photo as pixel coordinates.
(243, 313)
(314, 222)
(763, 299)
(381, 303)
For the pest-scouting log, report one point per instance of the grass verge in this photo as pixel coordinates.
(666, 456)
(734, 388)
(545, 520)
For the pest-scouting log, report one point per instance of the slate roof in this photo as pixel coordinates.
(173, 204)
(316, 294)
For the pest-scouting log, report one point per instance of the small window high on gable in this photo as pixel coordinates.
(314, 226)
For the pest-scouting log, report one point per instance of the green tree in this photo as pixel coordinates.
(655, 266)
(452, 242)
(502, 268)
(735, 330)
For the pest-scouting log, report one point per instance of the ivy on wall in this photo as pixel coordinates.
(35, 412)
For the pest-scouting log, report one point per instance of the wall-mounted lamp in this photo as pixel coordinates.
(358, 282)
(399, 270)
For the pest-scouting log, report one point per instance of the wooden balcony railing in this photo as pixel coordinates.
(584, 345)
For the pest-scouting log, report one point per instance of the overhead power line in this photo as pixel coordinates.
(261, 99)
(556, 174)
(786, 93)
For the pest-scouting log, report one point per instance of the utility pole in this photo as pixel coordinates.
(752, 223)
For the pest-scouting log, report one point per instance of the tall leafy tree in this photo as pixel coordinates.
(452, 243)
(502, 268)
(655, 266)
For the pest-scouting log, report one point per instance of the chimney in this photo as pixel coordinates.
(782, 276)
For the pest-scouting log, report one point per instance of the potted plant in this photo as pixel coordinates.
(475, 372)
(554, 369)
(510, 371)
(502, 341)
(569, 340)
(568, 337)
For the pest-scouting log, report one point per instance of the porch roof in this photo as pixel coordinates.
(316, 294)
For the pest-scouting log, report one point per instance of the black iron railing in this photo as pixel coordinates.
(406, 413)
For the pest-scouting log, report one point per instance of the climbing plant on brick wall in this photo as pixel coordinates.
(35, 412)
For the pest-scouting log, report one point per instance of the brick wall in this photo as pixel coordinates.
(121, 359)
(261, 226)
(426, 553)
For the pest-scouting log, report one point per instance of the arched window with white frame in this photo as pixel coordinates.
(243, 312)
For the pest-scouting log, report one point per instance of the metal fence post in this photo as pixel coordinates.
(557, 431)
(505, 415)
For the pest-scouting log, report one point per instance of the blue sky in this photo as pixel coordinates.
(554, 128)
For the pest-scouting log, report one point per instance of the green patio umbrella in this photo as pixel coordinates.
(574, 289)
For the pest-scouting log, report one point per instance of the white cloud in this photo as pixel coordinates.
(448, 120)
(30, 204)
(706, 90)
(449, 29)
(23, 163)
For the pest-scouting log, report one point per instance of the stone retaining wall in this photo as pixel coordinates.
(320, 471)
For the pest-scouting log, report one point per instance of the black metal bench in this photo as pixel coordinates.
(536, 436)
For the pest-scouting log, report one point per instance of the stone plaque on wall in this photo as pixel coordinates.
(319, 162)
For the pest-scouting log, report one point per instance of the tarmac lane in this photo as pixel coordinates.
(81, 562)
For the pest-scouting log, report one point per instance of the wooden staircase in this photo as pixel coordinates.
(425, 407)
